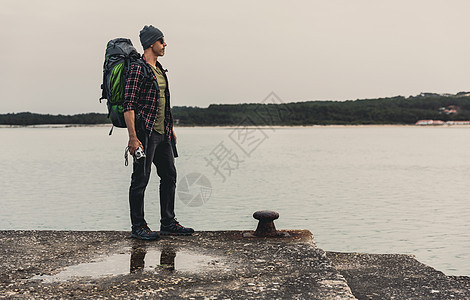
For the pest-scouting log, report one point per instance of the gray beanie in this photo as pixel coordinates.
(149, 35)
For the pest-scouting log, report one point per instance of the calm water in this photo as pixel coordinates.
(363, 189)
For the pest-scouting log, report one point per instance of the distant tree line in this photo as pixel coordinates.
(27, 118)
(395, 110)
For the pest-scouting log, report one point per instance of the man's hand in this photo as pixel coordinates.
(134, 144)
(174, 135)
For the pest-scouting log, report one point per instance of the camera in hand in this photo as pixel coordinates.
(139, 153)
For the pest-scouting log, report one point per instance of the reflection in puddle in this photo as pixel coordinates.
(140, 260)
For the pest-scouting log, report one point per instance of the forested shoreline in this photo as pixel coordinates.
(394, 110)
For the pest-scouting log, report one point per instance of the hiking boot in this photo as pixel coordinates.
(175, 228)
(144, 233)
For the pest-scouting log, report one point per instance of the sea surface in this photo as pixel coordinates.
(375, 189)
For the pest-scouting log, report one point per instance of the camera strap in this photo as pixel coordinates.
(126, 156)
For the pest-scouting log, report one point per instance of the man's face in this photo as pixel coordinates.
(158, 47)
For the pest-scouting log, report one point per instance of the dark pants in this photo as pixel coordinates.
(159, 152)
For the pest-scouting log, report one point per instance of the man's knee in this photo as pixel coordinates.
(140, 179)
(169, 177)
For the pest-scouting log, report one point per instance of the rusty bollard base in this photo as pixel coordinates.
(279, 234)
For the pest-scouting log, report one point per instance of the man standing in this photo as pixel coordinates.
(149, 123)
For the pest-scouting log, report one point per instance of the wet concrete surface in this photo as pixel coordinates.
(207, 265)
(395, 276)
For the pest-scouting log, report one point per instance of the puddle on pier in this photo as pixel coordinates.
(134, 260)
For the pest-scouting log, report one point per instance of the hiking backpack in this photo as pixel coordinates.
(120, 55)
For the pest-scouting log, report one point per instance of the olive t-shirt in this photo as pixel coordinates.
(160, 123)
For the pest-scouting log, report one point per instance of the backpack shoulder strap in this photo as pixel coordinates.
(147, 71)
(143, 64)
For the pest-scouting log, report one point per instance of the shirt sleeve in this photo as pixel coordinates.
(132, 87)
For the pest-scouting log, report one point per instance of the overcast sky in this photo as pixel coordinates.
(52, 51)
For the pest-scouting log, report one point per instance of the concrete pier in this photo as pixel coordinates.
(207, 265)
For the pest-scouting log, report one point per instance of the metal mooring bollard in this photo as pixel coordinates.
(266, 226)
